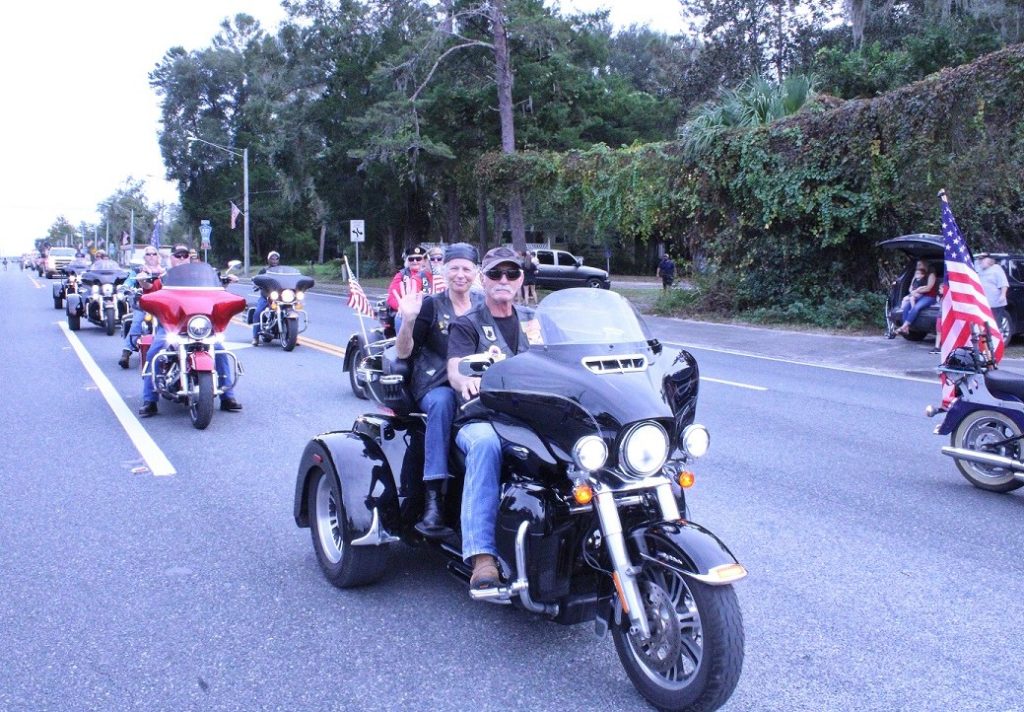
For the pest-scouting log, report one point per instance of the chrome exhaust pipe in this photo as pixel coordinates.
(986, 458)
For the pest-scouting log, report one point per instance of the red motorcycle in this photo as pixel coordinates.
(194, 309)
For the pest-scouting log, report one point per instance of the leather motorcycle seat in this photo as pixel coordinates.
(1005, 385)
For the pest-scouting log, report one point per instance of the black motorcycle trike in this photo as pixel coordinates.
(598, 433)
(69, 281)
(100, 298)
(284, 289)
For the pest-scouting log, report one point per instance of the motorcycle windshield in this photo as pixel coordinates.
(97, 274)
(194, 274)
(596, 371)
(281, 278)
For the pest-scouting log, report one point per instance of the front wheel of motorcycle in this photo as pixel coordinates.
(110, 320)
(343, 565)
(200, 407)
(694, 657)
(290, 334)
(987, 431)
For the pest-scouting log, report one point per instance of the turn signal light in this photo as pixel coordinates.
(583, 493)
(685, 479)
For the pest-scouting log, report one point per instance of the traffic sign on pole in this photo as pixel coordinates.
(356, 231)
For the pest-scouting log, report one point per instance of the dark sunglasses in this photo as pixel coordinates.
(150, 254)
(437, 259)
(181, 255)
(414, 258)
(513, 273)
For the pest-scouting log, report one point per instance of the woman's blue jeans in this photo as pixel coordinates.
(910, 312)
(439, 405)
(480, 492)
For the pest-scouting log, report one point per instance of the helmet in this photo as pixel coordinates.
(273, 254)
(965, 359)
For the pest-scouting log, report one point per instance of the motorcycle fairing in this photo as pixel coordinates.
(174, 306)
(282, 278)
(104, 276)
(961, 408)
(363, 475)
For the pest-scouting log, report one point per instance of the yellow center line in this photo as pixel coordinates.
(327, 348)
(38, 286)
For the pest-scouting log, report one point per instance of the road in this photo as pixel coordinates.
(879, 578)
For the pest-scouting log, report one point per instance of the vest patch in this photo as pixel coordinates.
(489, 332)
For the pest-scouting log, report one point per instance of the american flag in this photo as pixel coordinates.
(235, 212)
(438, 280)
(357, 297)
(964, 304)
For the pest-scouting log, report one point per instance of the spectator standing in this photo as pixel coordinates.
(994, 280)
(667, 271)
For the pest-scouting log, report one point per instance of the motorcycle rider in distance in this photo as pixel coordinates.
(180, 256)
(498, 327)
(415, 276)
(148, 279)
(424, 336)
(273, 260)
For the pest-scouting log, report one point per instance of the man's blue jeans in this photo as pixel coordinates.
(224, 371)
(480, 493)
(910, 312)
(439, 405)
(261, 306)
(135, 330)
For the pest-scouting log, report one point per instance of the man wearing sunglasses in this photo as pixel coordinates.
(147, 278)
(180, 256)
(498, 327)
(415, 276)
(424, 336)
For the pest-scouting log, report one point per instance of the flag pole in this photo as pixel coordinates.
(359, 313)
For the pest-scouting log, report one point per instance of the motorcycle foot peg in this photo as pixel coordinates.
(501, 595)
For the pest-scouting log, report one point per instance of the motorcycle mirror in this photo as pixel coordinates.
(474, 365)
(234, 264)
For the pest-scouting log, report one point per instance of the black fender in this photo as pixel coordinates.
(962, 408)
(363, 474)
(354, 346)
(74, 304)
(703, 550)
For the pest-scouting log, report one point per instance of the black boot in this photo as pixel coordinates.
(431, 525)
(125, 356)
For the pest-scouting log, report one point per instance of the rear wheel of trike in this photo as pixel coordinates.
(200, 407)
(694, 657)
(358, 353)
(344, 565)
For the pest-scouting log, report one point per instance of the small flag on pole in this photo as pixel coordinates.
(964, 304)
(154, 240)
(357, 297)
(235, 212)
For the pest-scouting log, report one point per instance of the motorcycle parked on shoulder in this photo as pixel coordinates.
(284, 318)
(100, 297)
(985, 436)
(194, 309)
(360, 348)
(599, 435)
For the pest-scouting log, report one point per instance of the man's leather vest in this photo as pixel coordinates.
(430, 369)
(489, 335)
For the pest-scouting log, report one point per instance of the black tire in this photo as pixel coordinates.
(890, 325)
(594, 283)
(289, 334)
(343, 565)
(915, 335)
(976, 432)
(200, 408)
(58, 302)
(359, 390)
(109, 320)
(706, 651)
(74, 322)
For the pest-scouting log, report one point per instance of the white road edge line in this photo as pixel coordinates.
(734, 383)
(155, 459)
(844, 369)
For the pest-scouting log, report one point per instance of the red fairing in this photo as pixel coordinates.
(201, 361)
(174, 307)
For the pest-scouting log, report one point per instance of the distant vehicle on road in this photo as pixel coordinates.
(559, 270)
(57, 258)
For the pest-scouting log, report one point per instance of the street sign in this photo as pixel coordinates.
(204, 230)
(357, 231)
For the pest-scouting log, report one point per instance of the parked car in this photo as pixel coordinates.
(930, 249)
(559, 270)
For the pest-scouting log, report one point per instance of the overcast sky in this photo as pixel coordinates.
(80, 117)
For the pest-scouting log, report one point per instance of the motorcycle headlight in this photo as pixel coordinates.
(695, 440)
(274, 296)
(288, 296)
(108, 289)
(300, 296)
(199, 327)
(644, 449)
(71, 279)
(95, 289)
(590, 453)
